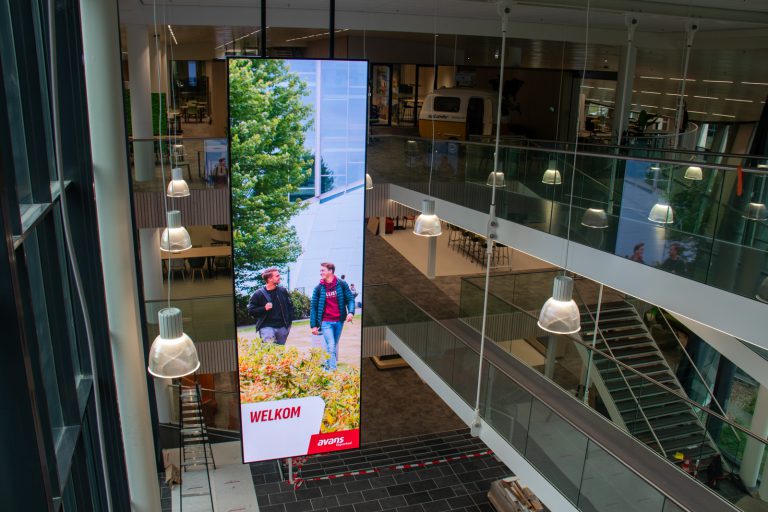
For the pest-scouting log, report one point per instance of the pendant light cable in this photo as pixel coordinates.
(76, 277)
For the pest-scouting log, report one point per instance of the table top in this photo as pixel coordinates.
(206, 251)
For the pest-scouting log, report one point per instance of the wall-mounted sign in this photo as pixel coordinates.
(297, 143)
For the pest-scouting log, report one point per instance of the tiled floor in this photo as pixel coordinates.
(459, 485)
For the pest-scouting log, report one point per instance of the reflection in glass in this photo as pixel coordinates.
(756, 211)
(595, 218)
(552, 175)
(694, 173)
(661, 214)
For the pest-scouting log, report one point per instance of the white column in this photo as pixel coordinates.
(101, 48)
(431, 256)
(152, 276)
(753, 451)
(382, 226)
(141, 101)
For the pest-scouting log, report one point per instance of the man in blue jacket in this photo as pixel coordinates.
(332, 303)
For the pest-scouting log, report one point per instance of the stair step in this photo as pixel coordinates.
(611, 372)
(636, 362)
(692, 443)
(615, 314)
(623, 393)
(675, 415)
(666, 435)
(633, 351)
(647, 402)
(610, 324)
(629, 342)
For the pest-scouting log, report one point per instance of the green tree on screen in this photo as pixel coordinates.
(268, 121)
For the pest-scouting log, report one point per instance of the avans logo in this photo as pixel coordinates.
(330, 441)
(285, 413)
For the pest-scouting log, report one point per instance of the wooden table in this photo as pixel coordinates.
(207, 251)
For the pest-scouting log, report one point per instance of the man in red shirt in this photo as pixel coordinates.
(332, 303)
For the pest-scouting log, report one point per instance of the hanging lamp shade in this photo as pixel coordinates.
(368, 182)
(427, 223)
(756, 211)
(552, 175)
(175, 237)
(560, 314)
(661, 214)
(595, 218)
(172, 354)
(496, 178)
(694, 173)
(763, 165)
(177, 187)
(762, 291)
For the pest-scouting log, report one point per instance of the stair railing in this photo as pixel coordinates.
(710, 391)
(621, 372)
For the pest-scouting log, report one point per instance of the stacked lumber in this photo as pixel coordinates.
(509, 495)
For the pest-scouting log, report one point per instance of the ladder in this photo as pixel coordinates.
(194, 447)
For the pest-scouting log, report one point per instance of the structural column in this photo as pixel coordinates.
(141, 102)
(152, 274)
(626, 78)
(753, 451)
(101, 48)
(431, 256)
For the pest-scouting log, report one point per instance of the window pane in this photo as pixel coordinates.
(69, 294)
(42, 328)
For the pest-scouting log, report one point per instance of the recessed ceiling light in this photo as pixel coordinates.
(649, 106)
(653, 77)
(605, 88)
(696, 112)
(740, 101)
(587, 87)
(670, 108)
(674, 94)
(718, 81)
(723, 115)
(706, 97)
(650, 92)
(680, 79)
(754, 83)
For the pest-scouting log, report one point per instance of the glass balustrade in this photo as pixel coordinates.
(644, 204)
(585, 473)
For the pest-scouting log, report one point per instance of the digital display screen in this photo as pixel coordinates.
(297, 135)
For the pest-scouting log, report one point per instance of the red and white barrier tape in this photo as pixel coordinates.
(298, 481)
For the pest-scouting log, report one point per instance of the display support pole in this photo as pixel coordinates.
(290, 470)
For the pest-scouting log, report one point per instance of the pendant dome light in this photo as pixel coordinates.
(177, 186)
(368, 182)
(172, 354)
(756, 211)
(552, 174)
(496, 179)
(560, 314)
(175, 237)
(595, 218)
(427, 223)
(693, 173)
(661, 214)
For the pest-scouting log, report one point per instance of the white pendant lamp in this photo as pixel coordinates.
(661, 214)
(496, 179)
(177, 187)
(552, 175)
(427, 223)
(560, 314)
(172, 354)
(762, 291)
(694, 173)
(595, 218)
(368, 182)
(756, 211)
(175, 237)
(763, 165)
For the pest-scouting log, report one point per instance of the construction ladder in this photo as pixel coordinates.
(194, 445)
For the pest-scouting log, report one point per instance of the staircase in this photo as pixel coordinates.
(196, 453)
(656, 417)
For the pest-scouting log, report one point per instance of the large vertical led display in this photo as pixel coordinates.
(297, 133)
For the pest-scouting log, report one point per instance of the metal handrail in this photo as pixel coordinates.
(661, 385)
(723, 167)
(624, 378)
(696, 368)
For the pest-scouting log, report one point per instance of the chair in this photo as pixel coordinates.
(407, 219)
(179, 265)
(191, 111)
(197, 265)
(222, 263)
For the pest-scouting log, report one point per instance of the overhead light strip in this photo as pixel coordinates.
(650, 92)
(738, 100)
(706, 97)
(315, 35)
(722, 115)
(754, 83)
(170, 29)
(718, 81)
(239, 38)
(695, 112)
(653, 77)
